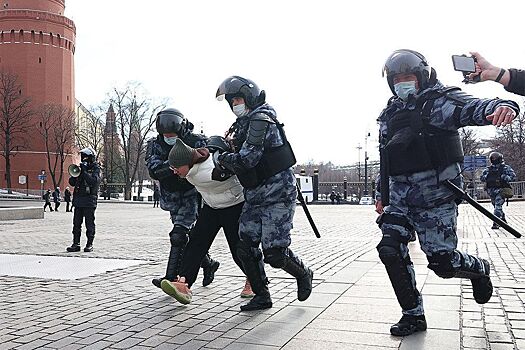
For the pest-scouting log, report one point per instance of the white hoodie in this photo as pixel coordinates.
(216, 194)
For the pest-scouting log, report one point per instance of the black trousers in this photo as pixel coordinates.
(67, 206)
(48, 204)
(57, 204)
(79, 215)
(202, 235)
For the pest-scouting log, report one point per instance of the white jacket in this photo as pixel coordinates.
(216, 194)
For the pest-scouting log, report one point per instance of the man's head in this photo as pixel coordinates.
(496, 158)
(181, 158)
(171, 123)
(407, 72)
(242, 94)
(87, 155)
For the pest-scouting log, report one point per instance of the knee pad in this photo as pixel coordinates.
(276, 257)
(389, 255)
(179, 236)
(441, 264)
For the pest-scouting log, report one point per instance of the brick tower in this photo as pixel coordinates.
(37, 44)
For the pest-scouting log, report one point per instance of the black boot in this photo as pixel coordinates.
(251, 259)
(209, 267)
(482, 287)
(408, 325)
(75, 247)
(172, 269)
(89, 245)
(295, 267)
(495, 226)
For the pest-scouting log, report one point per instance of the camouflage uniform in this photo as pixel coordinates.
(267, 215)
(507, 175)
(178, 197)
(419, 200)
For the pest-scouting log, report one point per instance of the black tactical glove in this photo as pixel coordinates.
(163, 171)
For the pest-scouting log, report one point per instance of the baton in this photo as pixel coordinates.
(463, 195)
(306, 211)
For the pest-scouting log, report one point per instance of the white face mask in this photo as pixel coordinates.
(405, 88)
(240, 110)
(170, 140)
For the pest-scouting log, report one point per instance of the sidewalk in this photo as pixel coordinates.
(112, 303)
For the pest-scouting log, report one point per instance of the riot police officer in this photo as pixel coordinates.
(85, 194)
(420, 148)
(262, 160)
(497, 178)
(177, 195)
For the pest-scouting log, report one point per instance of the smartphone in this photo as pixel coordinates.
(464, 63)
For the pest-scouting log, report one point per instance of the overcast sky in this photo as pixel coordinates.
(319, 62)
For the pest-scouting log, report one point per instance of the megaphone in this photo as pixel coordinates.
(74, 170)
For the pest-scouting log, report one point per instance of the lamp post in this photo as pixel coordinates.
(366, 164)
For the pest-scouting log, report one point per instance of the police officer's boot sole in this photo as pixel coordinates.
(304, 285)
(209, 273)
(73, 248)
(409, 325)
(258, 302)
(157, 281)
(482, 287)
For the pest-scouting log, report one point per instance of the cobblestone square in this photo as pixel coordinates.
(352, 305)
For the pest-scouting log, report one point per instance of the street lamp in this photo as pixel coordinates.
(366, 164)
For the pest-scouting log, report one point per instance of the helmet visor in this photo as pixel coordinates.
(230, 86)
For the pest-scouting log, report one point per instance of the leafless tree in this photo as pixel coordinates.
(91, 134)
(135, 117)
(15, 119)
(470, 142)
(57, 127)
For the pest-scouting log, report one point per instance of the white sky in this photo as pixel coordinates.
(319, 62)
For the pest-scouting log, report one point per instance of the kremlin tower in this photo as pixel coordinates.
(37, 44)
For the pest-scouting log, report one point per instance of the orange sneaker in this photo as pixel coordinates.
(178, 290)
(247, 292)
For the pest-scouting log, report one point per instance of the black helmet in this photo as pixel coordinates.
(218, 143)
(236, 86)
(409, 62)
(171, 120)
(496, 158)
(88, 154)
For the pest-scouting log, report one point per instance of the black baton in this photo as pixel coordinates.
(306, 211)
(463, 195)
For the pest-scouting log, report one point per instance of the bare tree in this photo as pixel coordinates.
(91, 134)
(470, 142)
(57, 127)
(15, 119)
(135, 117)
(510, 141)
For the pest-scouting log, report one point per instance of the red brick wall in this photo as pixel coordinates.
(37, 43)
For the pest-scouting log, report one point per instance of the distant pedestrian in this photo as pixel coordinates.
(338, 198)
(67, 199)
(156, 196)
(497, 178)
(332, 197)
(47, 199)
(56, 198)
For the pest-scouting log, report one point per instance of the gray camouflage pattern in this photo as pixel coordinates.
(267, 215)
(496, 198)
(421, 197)
(183, 206)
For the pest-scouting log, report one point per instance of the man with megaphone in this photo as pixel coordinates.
(85, 178)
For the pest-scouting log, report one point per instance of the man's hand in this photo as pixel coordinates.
(502, 116)
(487, 71)
(379, 207)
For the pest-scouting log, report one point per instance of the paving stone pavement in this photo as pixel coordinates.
(352, 305)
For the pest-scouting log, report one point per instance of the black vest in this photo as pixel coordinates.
(273, 161)
(413, 145)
